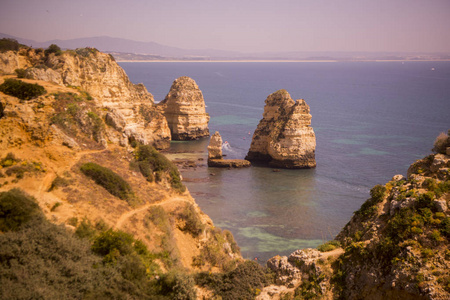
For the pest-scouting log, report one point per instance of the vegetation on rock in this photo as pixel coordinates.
(110, 180)
(17, 209)
(441, 143)
(9, 45)
(42, 260)
(21, 90)
(156, 167)
(53, 48)
(244, 282)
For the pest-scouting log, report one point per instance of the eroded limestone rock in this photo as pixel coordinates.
(215, 146)
(284, 137)
(215, 158)
(184, 109)
(129, 107)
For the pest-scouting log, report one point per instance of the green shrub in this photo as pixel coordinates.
(192, 222)
(21, 73)
(108, 179)
(329, 246)
(441, 143)
(216, 249)
(243, 282)
(21, 90)
(17, 209)
(53, 48)
(445, 227)
(25, 167)
(9, 160)
(97, 124)
(368, 208)
(112, 244)
(178, 286)
(151, 162)
(9, 45)
(58, 182)
(377, 193)
(45, 261)
(55, 206)
(85, 230)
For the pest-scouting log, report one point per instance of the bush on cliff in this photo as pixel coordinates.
(17, 209)
(21, 90)
(368, 209)
(9, 45)
(108, 179)
(192, 221)
(155, 166)
(46, 261)
(53, 48)
(441, 143)
(244, 282)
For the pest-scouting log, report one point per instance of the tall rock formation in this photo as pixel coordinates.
(215, 158)
(184, 109)
(215, 146)
(129, 108)
(284, 137)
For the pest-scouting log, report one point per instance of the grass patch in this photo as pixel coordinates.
(110, 180)
(329, 246)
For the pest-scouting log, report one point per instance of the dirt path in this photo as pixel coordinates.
(335, 252)
(50, 176)
(124, 217)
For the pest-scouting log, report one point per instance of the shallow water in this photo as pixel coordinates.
(371, 120)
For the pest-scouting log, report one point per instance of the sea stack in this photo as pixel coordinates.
(284, 137)
(184, 109)
(215, 157)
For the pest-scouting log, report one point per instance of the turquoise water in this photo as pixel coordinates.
(371, 120)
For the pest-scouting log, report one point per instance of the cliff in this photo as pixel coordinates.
(129, 108)
(284, 137)
(396, 246)
(68, 185)
(184, 109)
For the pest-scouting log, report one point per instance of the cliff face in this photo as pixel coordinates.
(396, 246)
(284, 137)
(129, 107)
(184, 109)
(45, 140)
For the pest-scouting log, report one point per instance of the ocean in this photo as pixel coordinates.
(371, 120)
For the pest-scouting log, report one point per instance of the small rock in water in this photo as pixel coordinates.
(276, 170)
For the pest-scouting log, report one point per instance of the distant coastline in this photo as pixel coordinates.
(273, 61)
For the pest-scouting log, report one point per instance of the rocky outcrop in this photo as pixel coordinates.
(215, 146)
(184, 109)
(396, 246)
(98, 74)
(302, 266)
(284, 137)
(215, 158)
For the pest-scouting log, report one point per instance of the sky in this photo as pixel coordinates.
(240, 25)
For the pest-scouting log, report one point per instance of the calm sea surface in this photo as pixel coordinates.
(371, 119)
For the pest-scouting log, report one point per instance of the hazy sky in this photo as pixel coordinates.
(240, 25)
